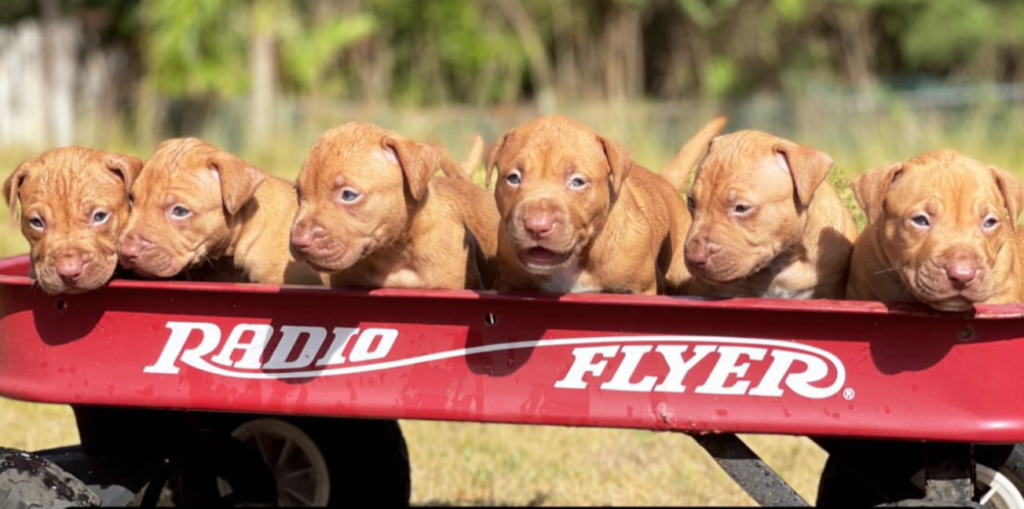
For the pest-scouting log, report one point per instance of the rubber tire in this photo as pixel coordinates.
(840, 487)
(367, 459)
(30, 482)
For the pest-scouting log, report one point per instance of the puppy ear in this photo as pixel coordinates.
(11, 186)
(690, 156)
(620, 161)
(871, 188)
(492, 158)
(808, 168)
(126, 167)
(1013, 193)
(238, 180)
(417, 161)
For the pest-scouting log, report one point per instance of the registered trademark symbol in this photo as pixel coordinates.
(848, 393)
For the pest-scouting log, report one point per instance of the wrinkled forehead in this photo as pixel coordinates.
(347, 156)
(180, 161)
(549, 150)
(955, 185)
(69, 179)
(745, 162)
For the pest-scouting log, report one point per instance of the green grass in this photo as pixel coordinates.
(467, 464)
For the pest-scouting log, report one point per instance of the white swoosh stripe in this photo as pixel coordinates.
(465, 352)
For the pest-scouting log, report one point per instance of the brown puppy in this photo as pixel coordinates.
(194, 203)
(74, 203)
(942, 230)
(766, 223)
(371, 215)
(577, 215)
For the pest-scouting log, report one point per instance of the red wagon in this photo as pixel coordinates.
(192, 382)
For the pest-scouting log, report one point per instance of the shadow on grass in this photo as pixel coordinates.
(537, 501)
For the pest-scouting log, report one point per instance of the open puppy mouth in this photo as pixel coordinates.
(542, 258)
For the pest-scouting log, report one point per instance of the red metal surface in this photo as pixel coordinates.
(821, 368)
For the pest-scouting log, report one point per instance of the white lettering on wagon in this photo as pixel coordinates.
(799, 368)
(671, 363)
(371, 344)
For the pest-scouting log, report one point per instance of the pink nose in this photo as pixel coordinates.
(303, 235)
(961, 269)
(131, 246)
(699, 250)
(69, 266)
(539, 223)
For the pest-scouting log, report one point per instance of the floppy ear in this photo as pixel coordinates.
(871, 188)
(1013, 193)
(11, 186)
(619, 160)
(807, 167)
(238, 180)
(418, 163)
(126, 167)
(492, 158)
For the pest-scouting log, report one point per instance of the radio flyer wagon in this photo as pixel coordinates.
(232, 393)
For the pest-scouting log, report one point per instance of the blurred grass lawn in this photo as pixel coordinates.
(472, 464)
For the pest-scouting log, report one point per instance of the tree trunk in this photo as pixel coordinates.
(263, 70)
(533, 44)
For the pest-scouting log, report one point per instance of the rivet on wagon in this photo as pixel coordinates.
(61, 306)
(490, 319)
(967, 333)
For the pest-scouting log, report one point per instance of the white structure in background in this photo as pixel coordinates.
(37, 104)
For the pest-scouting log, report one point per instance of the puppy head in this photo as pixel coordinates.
(749, 201)
(184, 203)
(74, 203)
(358, 191)
(556, 183)
(941, 219)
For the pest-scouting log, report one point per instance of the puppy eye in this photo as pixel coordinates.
(691, 203)
(349, 196)
(100, 217)
(514, 178)
(577, 183)
(742, 209)
(921, 221)
(37, 223)
(991, 222)
(180, 212)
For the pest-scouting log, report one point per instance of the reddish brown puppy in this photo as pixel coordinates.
(195, 204)
(372, 215)
(766, 223)
(578, 215)
(942, 230)
(74, 203)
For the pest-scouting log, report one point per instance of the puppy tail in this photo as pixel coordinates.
(678, 171)
(474, 157)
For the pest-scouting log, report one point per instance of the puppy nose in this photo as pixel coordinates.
(699, 251)
(961, 269)
(539, 223)
(302, 236)
(132, 245)
(69, 266)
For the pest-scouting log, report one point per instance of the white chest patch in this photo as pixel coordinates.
(568, 280)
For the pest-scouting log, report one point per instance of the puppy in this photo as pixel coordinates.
(942, 230)
(578, 215)
(766, 223)
(371, 215)
(74, 203)
(195, 204)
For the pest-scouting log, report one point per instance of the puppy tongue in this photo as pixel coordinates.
(541, 253)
